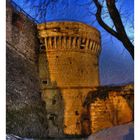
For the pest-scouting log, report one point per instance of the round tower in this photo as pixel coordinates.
(72, 52)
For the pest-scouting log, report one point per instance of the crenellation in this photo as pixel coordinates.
(78, 42)
(60, 42)
(93, 47)
(69, 31)
(55, 42)
(87, 44)
(99, 51)
(96, 48)
(50, 43)
(64, 42)
(71, 43)
(90, 45)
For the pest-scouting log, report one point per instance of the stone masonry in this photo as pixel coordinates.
(25, 111)
(110, 106)
(72, 51)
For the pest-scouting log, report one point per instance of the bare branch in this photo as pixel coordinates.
(115, 16)
(100, 20)
(120, 32)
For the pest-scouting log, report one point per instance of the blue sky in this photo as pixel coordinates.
(116, 65)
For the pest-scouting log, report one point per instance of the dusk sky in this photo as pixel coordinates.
(116, 65)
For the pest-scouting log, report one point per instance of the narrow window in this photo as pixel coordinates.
(44, 82)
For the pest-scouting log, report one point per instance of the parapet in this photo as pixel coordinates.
(72, 36)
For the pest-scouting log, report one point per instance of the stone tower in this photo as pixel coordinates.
(71, 51)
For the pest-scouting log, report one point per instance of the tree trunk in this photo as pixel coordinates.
(116, 18)
(120, 32)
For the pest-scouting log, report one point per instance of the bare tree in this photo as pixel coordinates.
(119, 31)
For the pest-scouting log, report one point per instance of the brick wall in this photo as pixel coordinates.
(25, 111)
(110, 106)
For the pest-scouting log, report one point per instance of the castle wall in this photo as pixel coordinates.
(110, 106)
(25, 111)
(72, 51)
(52, 97)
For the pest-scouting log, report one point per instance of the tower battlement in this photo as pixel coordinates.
(70, 36)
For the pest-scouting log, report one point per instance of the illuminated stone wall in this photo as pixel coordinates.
(72, 51)
(110, 106)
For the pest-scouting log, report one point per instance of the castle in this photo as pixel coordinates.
(72, 50)
(53, 86)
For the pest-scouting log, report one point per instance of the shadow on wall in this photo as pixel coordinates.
(52, 97)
